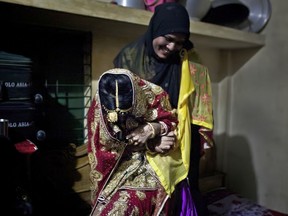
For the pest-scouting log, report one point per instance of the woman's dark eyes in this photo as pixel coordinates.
(172, 40)
(168, 39)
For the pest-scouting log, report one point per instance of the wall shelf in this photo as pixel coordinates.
(91, 14)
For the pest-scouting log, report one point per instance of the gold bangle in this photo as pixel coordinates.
(164, 127)
(152, 129)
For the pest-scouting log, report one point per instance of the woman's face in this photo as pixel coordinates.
(165, 45)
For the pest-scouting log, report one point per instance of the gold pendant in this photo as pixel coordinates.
(112, 116)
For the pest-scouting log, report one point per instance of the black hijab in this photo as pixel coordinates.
(140, 58)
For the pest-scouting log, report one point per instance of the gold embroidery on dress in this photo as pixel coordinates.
(134, 173)
(120, 206)
(141, 195)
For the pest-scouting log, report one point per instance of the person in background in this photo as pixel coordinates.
(165, 56)
(132, 173)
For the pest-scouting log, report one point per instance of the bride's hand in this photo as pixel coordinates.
(141, 134)
(166, 143)
(163, 144)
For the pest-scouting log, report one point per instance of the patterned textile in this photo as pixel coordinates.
(123, 180)
(227, 203)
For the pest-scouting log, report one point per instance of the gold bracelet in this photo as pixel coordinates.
(164, 127)
(152, 129)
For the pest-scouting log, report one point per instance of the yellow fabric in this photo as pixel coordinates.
(173, 162)
(184, 116)
(194, 106)
(170, 169)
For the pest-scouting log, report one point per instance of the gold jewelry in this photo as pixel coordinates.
(164, 128)
(116, 97)
(152, 129)
(112, 115)
(130, 141)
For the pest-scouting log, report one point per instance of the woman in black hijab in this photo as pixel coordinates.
(159, 56)
(141, 57)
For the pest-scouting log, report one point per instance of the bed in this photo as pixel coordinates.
(222, 201)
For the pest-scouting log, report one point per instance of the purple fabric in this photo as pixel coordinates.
(187, 207)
